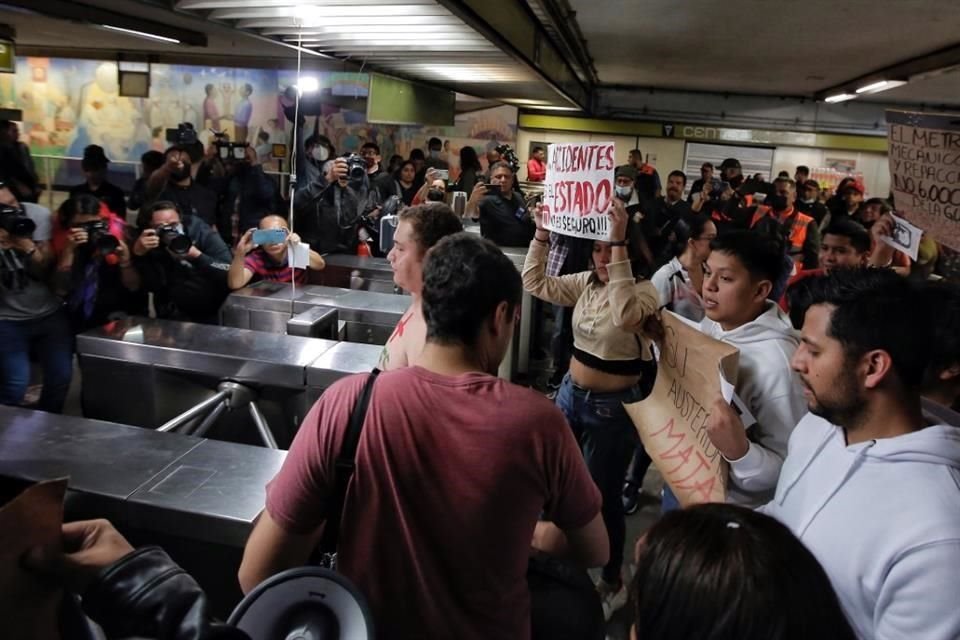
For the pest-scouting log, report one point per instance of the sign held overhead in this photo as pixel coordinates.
(578, 189)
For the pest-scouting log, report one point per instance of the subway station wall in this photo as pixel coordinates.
(668, 154)
(69, 103)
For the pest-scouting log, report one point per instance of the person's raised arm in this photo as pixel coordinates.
(239, 275)
(631, 302)
(129, 276)
(472, 208)
(562, 290)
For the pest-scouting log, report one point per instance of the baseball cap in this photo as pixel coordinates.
(853, 186)
(625, 170)
(812, 184)
(730, 163)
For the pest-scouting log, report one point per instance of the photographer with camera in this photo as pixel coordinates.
(175, 182)
(95, 275)
(250, 194)
(94, 165)
(31, 316)
(183, 262)
(329, 211)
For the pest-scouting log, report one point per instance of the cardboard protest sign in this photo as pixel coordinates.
(924, 152)
(672, 420)
(31, 519)
(578, 189)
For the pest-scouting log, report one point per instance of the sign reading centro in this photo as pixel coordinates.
(578, 189)
(924, 153)
(672, 420)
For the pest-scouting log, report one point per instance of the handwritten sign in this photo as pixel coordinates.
(672, 420)
(578, 189)
(924, 152)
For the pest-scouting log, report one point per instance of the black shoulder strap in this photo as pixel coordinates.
(346, 462)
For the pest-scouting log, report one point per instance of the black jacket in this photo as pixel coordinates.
(146, 595)
(327, 216)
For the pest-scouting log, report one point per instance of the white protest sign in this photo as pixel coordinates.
(905, 237)
(924, 152)
(578, 189)
(300, 255)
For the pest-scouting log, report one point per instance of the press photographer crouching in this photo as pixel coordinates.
(182, 262)
(95, 274)
(330, 210)
(31, 316)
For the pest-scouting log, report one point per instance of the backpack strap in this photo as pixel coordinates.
(346, 463)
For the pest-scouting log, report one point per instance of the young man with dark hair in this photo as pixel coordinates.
(808, 201)
(454, 468)
(706, 177)
(537, 165)
(648, 180)
(801, 175)
(738, 277)
(94, 165)
(869, 485)
(845, 244)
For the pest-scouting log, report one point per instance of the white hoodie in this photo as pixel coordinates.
(883, 518)
(767, 386)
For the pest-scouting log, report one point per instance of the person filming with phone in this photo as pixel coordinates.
(502, 214)
(264, 254)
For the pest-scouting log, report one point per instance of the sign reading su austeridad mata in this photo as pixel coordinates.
(924, 152)
(578, 189)
(672, 420)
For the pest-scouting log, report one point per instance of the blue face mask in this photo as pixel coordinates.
(624, 193)
(434, 153)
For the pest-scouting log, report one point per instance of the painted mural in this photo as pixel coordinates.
(68, 104)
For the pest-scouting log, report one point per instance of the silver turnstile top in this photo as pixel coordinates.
(344, 359)
(222, 352)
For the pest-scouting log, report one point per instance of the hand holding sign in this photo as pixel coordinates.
(726, 430)
(618, 220)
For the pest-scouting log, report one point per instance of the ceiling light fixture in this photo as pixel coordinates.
(840, 97)
(140, 34)
(555, 108)
(881, 85)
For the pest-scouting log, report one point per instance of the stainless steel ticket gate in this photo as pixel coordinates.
(197, 498)
(356, 272)
(232, 384)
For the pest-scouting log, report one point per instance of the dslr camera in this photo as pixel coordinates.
(356, 167)
(99, 237)
(173, 239)
(183, 135)
(14, 222)
(226, 149)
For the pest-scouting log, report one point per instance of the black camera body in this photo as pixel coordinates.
(227, 150)
(183, 135)
(356, 167)
(99, 236)
(171, 237)
(16, 223)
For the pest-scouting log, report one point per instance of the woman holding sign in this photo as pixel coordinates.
(609, 358)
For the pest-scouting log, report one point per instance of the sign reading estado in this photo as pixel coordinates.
(578, 189)
(672, 420)
(924, 152)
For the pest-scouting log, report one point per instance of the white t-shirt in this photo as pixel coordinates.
(676, 291)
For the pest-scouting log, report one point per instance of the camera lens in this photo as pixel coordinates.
(106, 243)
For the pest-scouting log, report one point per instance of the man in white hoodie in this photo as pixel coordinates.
(738, 277)
(869, 484)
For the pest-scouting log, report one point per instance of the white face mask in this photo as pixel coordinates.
(320, 153)
(808, 200)
(624, 192)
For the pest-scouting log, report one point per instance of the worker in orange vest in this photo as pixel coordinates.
(800, 230)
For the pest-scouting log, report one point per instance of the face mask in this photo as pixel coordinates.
(808, 200)
(435, 195)
(181, 174)
(776, 202)
(434, 153)
(320, 153)
(624, 193)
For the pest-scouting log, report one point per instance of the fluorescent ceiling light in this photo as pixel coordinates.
(840, 97)
(308, 84)
(554, 108)
(881, 85)
(140, 34)
(527, 102)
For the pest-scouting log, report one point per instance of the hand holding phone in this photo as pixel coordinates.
(269, 236)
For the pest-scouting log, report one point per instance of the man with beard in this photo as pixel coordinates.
(174, 182)
(869, 484)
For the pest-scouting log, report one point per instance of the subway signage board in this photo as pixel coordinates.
(8, 56)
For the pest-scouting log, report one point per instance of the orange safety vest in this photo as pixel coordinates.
(798, 227)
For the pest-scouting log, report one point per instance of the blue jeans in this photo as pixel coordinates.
(607, 439)
(52, 338)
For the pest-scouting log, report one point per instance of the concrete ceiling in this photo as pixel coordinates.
(759, 47)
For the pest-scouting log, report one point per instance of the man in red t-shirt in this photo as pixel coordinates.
(453, 470)
(537, 166)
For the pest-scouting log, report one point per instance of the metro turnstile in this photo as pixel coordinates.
(356, 272)
(145, 372)
(363, 316)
